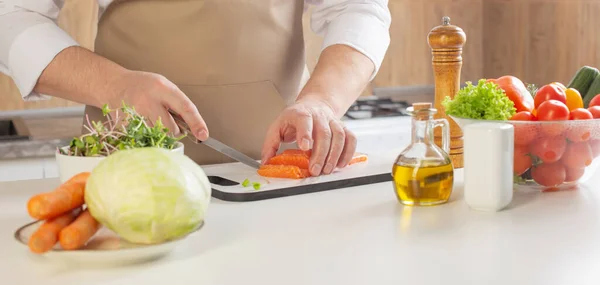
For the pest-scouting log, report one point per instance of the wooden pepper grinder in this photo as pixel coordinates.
(446, 43)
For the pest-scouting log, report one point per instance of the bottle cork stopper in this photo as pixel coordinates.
(421, 105)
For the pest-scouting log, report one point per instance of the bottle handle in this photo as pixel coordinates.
(445, 125)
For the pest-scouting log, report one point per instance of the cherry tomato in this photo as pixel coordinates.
(574, 99)
(516, 91)
(595, 146)
(549, 92)
(549, 174)
(595, 101)
(549, 149)
(579, 132)
(524, 132)
(577, 155)
(522, 160)
(573, 174)
(595, 111)
(553, 110)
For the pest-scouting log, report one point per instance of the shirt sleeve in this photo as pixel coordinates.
(29, 40)
(361, 24)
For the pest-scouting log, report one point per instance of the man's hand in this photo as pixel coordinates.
(153, 95)
(338, 79)
(311, 122)
(79, 75)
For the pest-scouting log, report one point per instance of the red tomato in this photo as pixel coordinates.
(524, 133)
(595, 146)
(595, 111)
(580, 114)
(562, 86)
(522, 160)
(549, 92)
(579, 132)
(516, 91)
(577, 155)
(549, 174)
(549, 149)
(573, 174)
(553, 110)
(595, 101)
(553, 129)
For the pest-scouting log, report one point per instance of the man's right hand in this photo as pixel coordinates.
(153, 95)
(79, 75)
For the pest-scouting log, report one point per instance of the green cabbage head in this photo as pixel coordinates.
(148, 195)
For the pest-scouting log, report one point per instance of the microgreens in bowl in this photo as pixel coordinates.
(127, 130)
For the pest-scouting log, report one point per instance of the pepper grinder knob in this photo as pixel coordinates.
(446, 42)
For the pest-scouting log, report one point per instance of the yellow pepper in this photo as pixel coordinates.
(574, 99)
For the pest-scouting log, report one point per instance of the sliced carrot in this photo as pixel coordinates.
(308, 153)
(46, 236)
(358, 157)
(300, 160)
(68, 196)
(78, 233)
(283, 171)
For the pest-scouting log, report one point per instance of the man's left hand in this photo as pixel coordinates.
(312, 121)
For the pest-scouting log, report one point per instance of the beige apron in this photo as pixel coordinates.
(240, 61)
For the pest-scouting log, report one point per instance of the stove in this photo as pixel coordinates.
(375, 107)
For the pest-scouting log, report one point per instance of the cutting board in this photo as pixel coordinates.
(226, 180)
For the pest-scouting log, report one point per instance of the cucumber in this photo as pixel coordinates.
(583, 78)
(592, 92)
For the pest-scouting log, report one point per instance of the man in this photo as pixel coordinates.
(236, 68)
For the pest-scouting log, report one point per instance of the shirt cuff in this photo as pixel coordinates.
(368, 35)
(30, 54)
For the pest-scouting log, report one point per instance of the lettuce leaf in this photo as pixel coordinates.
(486, 101)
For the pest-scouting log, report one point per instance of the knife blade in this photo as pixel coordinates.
(215, 144)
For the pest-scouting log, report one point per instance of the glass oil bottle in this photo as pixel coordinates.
(423, 173)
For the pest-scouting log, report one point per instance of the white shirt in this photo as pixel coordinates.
(30, 37)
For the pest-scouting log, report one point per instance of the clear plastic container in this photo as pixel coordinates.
(552, 155)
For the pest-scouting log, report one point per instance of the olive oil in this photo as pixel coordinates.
(423, 173)
(425, 185)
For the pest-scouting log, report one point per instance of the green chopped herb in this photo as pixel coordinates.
(246, 183)
(256, 185)
(486, 101)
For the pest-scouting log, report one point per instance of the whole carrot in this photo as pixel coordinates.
(76, 235)
(68, 196)
(46, 236)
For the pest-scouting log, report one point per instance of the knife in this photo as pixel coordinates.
(215, 144)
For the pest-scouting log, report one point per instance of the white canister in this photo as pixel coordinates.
(488, 165)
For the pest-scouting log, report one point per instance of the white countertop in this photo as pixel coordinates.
(358, 235)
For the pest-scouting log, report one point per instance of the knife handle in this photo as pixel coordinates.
(185, 128)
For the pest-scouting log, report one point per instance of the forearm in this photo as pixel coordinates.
(340, 76)
(79, 75)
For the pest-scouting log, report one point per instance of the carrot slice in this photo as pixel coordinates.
(77, 234)
(68, 196)
(300, 160)
(308, 153)
(46, 236)
(283, 171)
(357, 158)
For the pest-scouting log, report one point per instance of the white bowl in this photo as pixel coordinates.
(68, 166)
